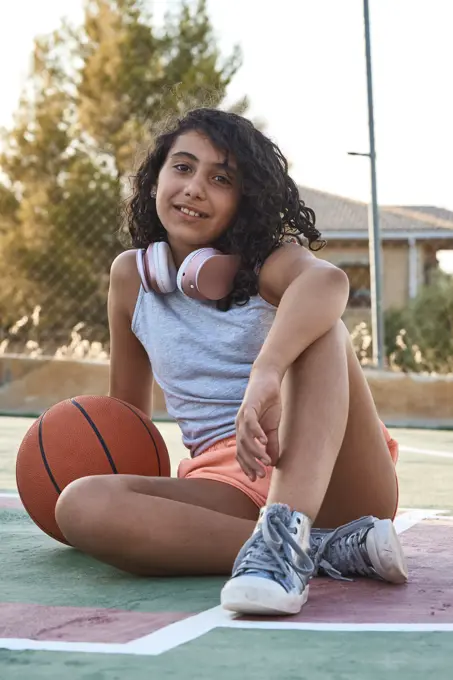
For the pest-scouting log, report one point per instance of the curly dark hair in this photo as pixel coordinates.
(270, 209)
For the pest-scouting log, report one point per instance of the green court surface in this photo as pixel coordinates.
(65, 616)
(254, 655)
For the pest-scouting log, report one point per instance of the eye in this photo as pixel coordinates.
(181, 167)
(221, 179)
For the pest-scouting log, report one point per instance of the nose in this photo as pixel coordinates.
(195, 188)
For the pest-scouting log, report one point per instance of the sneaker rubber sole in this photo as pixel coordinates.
(260, 596)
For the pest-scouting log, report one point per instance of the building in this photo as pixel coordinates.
(411, 239)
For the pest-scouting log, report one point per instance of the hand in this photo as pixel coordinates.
(257, 423)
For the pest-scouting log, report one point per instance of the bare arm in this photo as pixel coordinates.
(311, 296)
(131, 377)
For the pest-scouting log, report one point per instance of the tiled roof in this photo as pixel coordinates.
(339, 214)
(433, 211)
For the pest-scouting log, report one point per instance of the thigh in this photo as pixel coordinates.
(364, 479)
(204, 493)
(157, 526)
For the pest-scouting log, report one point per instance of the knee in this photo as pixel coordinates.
(339, 332)
(336, 340)
(82, 506)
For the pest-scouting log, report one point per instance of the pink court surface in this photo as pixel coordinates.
(63, 615)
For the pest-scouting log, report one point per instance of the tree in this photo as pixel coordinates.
(133, 77)
(9, 206)
(419, 338)
(95, 97)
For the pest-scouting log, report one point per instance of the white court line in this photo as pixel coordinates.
(343, 627)
(412, 517)
(182, 631)
(426, 452)
(191, 628)
(402, 523)
(156, 643)
(9, 494)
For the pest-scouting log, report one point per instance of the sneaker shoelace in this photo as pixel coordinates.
(342, 551)
(269, 550)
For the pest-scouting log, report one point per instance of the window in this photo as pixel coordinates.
(359, 285)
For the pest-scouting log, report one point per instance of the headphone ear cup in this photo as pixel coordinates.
(207, 274)
(139, 256)
(215, 276)
(156, 268)
(185, 286)
(164, 270)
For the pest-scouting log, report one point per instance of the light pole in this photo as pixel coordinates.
(374, 235)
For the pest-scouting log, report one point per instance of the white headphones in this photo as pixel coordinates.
(205, 274)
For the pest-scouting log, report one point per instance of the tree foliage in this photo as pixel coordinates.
(419, 338)
(95, 98)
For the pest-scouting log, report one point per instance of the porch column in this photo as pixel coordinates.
(413, 268)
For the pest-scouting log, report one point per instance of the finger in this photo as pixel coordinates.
(246, 469)
(250, 450)
(248, 462)
(252, 427)
(249, 465)
(255, 439)
(263, 453)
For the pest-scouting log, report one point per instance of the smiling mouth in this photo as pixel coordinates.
(189, 212)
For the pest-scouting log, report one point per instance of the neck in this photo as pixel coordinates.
(180, 252)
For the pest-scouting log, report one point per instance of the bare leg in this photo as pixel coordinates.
(335, 465)
(157, 526)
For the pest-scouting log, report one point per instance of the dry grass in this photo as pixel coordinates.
(77, 347)
(80, 348)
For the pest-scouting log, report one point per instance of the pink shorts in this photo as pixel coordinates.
(219, 462)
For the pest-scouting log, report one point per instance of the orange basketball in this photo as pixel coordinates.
(79, 437)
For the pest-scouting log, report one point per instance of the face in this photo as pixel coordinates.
(197, 194)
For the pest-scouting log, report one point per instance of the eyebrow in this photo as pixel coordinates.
(187, 154)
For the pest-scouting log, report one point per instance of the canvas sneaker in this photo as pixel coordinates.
(272, 570)
(365, 547)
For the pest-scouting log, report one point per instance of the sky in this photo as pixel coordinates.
(304, 73)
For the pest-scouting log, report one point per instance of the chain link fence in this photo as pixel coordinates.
(55, 274)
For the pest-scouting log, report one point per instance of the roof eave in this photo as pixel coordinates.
(387, 235)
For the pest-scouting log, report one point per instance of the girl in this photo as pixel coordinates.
(264, 383)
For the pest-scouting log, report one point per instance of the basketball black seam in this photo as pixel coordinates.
(156, 448)
(97, 433)
(43, 455)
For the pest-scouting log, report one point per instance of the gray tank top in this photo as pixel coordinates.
(201, 358)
